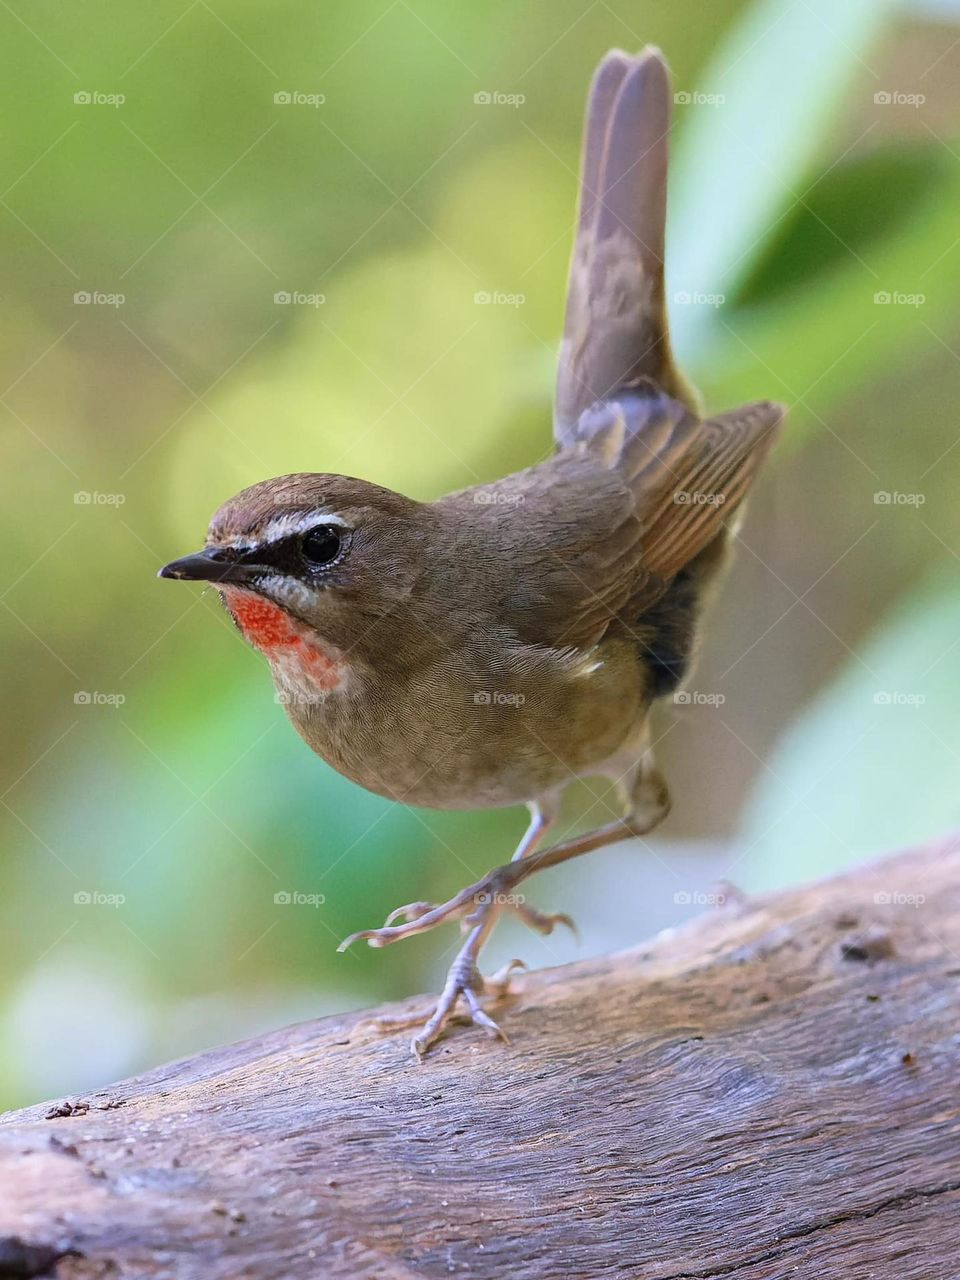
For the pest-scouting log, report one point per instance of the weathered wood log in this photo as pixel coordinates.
(770, 1092)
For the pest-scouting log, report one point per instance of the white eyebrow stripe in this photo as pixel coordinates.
(283, 527)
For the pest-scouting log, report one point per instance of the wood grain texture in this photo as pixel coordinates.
(770, 1092)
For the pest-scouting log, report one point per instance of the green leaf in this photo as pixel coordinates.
(872, 763)
(781, 76)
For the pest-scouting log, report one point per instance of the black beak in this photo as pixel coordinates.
(211, 565)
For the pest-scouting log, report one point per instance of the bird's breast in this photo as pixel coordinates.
(476, 730)
(303, 666)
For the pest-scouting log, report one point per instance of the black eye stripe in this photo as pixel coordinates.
(283, 554)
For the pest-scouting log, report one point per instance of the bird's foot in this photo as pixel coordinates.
(496, 986)
(465, 980)
(468, 906)
(477, 908)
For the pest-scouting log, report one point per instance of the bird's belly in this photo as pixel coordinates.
(450, 749)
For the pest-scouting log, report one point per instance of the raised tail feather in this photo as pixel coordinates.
(620, 395)
(615, 331)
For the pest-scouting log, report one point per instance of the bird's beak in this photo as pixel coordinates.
(211, 565)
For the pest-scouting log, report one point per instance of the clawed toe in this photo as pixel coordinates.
(419, 917)
(373, 937)
(412, 911)
(498, 983)
(465, 980)
(544, 923)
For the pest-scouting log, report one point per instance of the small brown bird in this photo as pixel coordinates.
(488, 648)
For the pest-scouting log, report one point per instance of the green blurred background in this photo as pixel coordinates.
(154, 799)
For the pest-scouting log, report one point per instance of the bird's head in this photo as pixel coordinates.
(311, 567)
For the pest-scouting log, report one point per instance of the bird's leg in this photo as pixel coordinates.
(480, 903)
(463, 979)
(543, 814)
(649, 804)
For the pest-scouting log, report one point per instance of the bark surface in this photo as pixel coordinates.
(770, 1092)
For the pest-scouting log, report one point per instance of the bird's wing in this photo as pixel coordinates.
(686, 477)
(642, 489)
(615, 329)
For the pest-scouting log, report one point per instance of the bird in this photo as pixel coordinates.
(488, 648)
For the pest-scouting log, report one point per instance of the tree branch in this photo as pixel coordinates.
(769, 1092)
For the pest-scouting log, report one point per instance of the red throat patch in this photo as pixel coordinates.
(283, 640)
(263, 623)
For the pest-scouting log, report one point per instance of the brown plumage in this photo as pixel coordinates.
(487, 648)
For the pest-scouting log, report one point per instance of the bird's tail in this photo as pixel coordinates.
(615, 332)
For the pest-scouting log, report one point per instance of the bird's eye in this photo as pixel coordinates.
(321, 544)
